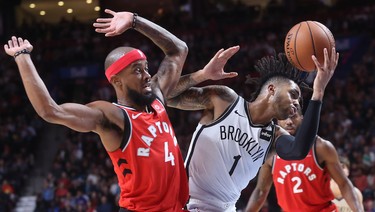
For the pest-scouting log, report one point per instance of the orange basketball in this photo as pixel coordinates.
(305, 39)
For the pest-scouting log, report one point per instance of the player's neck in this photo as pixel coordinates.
(142, 108)
(259, 113)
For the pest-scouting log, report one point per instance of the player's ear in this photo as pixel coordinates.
(271, 89)
(116, 80)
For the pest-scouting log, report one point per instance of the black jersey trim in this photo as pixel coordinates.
(194, 142)
(315, 154)
(224, 115)
(189, 156)
(273, 163)
(227, 111)
(249, 117)
(127, 131)
(271, 142)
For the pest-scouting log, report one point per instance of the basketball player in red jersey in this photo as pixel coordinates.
(234, 136)
(303, 185)
(135, 131)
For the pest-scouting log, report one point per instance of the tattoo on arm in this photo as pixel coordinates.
(175, 51)
(201, 98)
(165, 40)
(184, 83)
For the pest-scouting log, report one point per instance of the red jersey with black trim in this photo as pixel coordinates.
(149, 164)
(302, 185)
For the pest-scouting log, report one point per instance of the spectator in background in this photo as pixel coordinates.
(126, 128)
(104, 205)
(341, 204)
(303, 185)
(234, 135)
(55, 44)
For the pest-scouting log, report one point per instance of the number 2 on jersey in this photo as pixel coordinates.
(236, 159)
(296, 187)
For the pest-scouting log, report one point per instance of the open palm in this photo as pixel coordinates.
(17, 44)
(214, 70)
(119, 23)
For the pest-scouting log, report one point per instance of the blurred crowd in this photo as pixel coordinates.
(82, 178)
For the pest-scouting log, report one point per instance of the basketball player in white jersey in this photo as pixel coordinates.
(339, 200)
(233, 136)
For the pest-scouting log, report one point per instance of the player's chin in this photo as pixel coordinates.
(291, 131)
(148, 94)
(147, 90)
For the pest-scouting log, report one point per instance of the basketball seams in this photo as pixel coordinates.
(295, 47)
(329, 35)
(289, 45)
(311, 36)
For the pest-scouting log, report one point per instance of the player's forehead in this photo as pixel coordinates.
(293, 86)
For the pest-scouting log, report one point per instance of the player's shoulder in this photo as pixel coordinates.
(109, 110)
(100, 104)
(325, 150)
(222, 92)
(322, 143)
(222, 97)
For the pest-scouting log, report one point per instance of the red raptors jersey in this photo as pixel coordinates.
(149, 164)
(302, 185)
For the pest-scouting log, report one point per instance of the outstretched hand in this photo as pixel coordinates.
(119, 23)
(214, 70)
(17, 44)
(325, 71)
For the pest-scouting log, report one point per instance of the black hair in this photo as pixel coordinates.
(276, 66)
(344, 161)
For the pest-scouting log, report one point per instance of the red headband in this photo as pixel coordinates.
(124, 61)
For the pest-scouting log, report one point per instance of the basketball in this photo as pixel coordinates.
(305, 39)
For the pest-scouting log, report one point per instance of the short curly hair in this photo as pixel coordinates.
(273, 67)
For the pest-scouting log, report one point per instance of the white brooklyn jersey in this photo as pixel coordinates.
(225, 155)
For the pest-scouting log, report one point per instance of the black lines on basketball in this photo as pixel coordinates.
(311, 36)
(295, 46)
(305, 39)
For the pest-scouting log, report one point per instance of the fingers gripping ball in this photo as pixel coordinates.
(305, 39)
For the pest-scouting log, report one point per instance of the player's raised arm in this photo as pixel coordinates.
(286, 146)
(76, 116)
(214, 70)
(187, 97)
(175, 50)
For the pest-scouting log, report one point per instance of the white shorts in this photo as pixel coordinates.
(195, 205)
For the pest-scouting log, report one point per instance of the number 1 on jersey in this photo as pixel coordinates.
(168, 155)
(236, 159)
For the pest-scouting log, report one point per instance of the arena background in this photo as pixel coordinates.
(45, 167)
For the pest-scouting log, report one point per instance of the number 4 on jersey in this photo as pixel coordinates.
(168, 155)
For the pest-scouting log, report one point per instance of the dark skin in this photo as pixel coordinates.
(327, 157)
(276, 99)
(103, 117)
